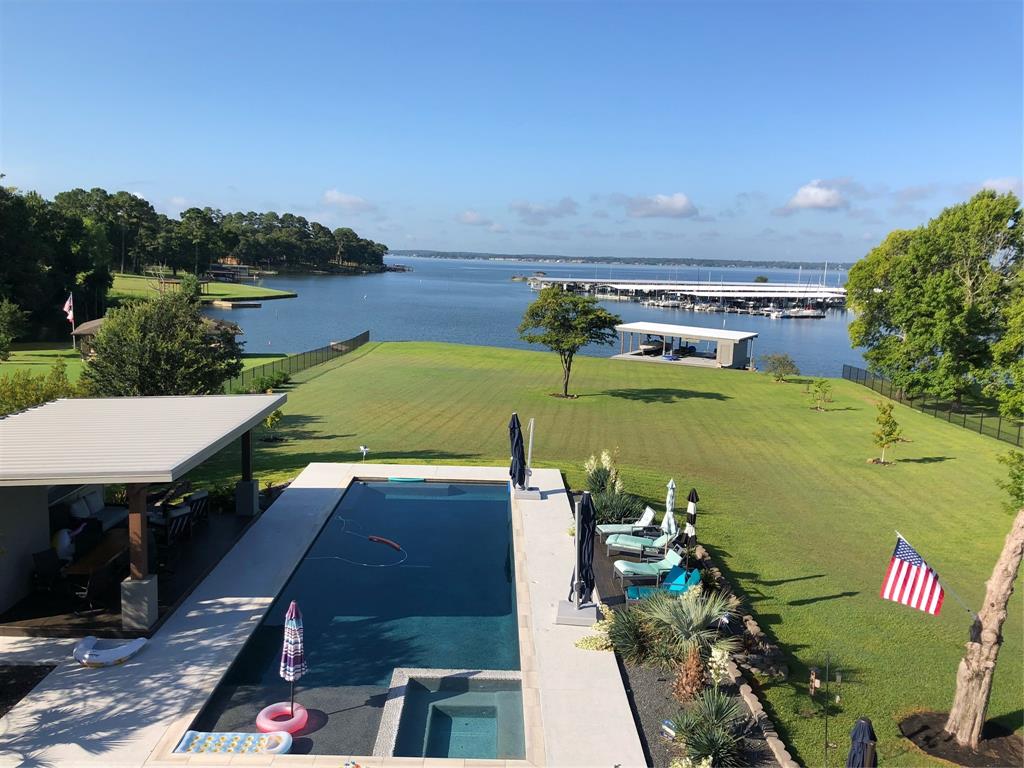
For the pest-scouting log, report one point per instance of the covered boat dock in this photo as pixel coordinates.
(662, 342)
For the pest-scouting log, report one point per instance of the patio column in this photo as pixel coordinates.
(247, 491)
(138, 543)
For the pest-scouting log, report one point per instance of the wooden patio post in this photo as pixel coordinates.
(138, 541)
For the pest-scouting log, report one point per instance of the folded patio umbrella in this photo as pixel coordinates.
(690, 528)
(862, 746)
(517, 470)
(582, 586)
(293, 658)
(668, 522)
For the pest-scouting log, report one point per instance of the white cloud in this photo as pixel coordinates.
(178, 201)
(1005, 184)
(817, 195)
(538, 214)
(347, 202)
(675, 206)
(477, 219)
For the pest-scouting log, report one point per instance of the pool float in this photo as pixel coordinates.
(205, 742)
(280, 717)
(88, 655)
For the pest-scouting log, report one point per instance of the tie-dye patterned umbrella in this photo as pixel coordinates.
(293, 658)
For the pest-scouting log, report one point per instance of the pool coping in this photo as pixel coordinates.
(575, 709)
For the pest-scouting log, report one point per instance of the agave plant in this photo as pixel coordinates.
(686, 622)
(711, 729)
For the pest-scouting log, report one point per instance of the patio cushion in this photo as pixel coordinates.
(94, 500)
(80, 509)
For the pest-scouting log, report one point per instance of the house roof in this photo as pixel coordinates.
(686, 331)
(123, 439)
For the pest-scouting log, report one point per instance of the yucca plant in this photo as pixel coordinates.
(711, 728)
(630, 635)
(685, 622)
(614, 507)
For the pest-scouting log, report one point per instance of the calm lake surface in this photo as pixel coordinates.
(476, 302)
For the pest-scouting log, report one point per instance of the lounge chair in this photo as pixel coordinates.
(642, 522)
(677, 581)
(627, 569)
(642, 546)
(91, 505)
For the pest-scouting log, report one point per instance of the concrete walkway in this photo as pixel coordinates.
(134, 714)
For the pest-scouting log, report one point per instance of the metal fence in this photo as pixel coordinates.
(980, 420)
(295, 363)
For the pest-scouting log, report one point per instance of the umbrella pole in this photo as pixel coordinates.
(291, 700)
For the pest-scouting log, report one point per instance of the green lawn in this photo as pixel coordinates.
(137, 285)
(801, 523)
(39, 359)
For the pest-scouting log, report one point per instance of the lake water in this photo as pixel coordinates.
(476, 302)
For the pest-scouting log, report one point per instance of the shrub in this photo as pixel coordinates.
(630, 635)
(602, 474)
(1014, 483)
(600, 641)
(615, 507)
(21, 389)
(780, 365)
(711, 729)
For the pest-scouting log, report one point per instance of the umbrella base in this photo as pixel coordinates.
(527, 494)
(567, 613)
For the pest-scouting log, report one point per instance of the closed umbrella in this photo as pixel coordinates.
(690, 528)
(582, 586)
(862, 745)
(517, 469)
(293, 658)
(668, 523)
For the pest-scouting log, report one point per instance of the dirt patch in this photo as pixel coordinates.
(999, 747)
(17, 681)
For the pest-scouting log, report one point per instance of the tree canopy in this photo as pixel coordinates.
(565, 323)
(162, 346)
(932, 302)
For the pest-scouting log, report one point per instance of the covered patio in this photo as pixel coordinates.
(662, 342)
(67, 451)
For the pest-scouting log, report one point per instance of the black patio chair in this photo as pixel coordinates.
(97, 588)
(177, 525)
(199, 503)
(47, 576)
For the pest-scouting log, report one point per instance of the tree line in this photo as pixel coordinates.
(75, 242)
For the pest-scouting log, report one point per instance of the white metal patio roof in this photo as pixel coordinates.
(685, 332)
(123, 439)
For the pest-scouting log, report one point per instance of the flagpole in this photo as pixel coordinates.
(943, 583)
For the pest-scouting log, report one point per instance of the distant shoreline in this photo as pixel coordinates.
(636, 261)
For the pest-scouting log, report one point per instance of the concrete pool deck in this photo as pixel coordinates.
(575, 709)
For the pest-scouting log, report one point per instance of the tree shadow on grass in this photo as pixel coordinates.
(662, 394)
(822, 598)
(926, 460)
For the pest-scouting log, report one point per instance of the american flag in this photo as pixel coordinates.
(911, 582)
(69, 308)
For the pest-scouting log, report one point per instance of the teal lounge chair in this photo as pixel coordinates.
(643, 546)
(631, 528)
(677, 581)
(630, 570)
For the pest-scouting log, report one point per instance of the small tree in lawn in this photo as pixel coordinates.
(566, 322)
(780, 365)
(889, 431)
(820, 391)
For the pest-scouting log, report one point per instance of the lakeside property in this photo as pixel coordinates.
(126, 286)
(789, 507)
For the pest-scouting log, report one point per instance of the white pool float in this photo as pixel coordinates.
(88, 655)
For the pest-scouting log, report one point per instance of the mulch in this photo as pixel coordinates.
(17, 681)
(999, 747)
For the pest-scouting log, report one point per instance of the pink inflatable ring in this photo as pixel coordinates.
(280, 717)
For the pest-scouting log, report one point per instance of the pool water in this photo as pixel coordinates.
(439, 592)
(462, 718)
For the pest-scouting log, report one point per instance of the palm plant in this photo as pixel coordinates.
(686, 622)
(711, 728)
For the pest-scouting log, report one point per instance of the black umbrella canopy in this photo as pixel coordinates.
(582, 587)
(862, 741)
(517, 470)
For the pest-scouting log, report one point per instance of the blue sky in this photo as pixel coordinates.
(801, 130)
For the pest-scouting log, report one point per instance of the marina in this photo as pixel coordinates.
(775, 300)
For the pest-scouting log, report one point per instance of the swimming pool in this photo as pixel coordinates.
(439, 593)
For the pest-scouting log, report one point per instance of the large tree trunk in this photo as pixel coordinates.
(566, 369)
(974, 675)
